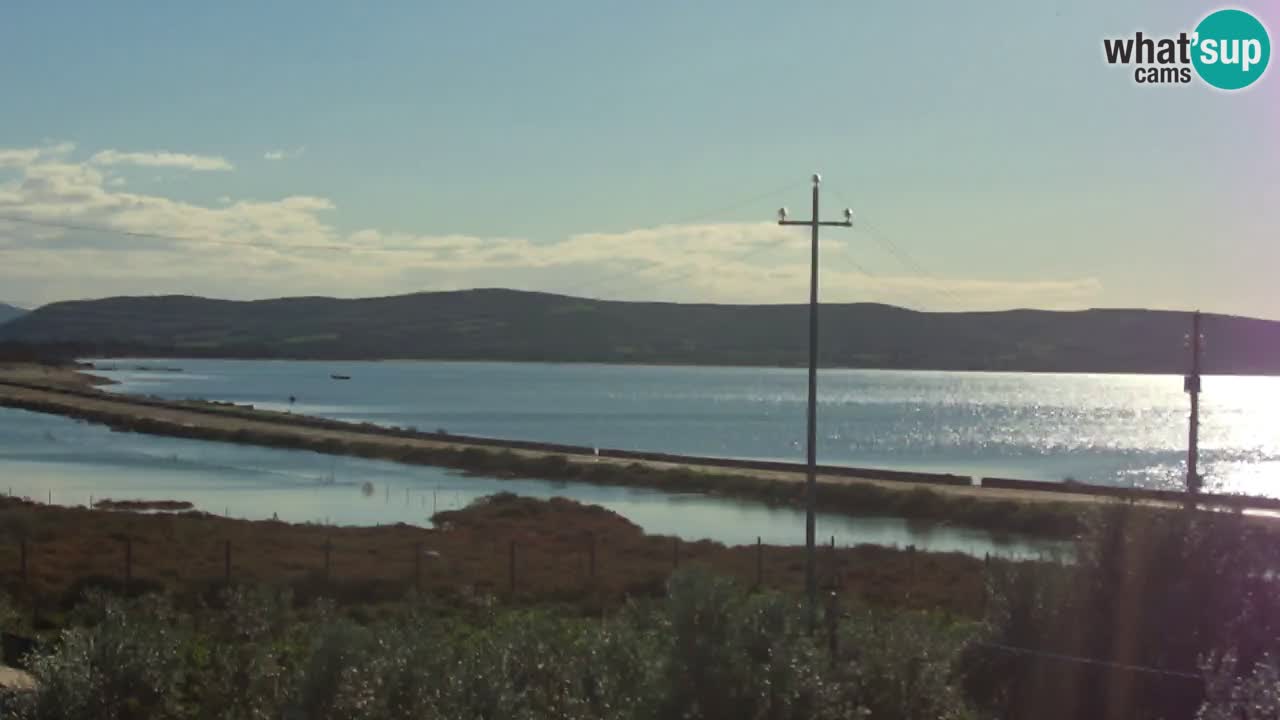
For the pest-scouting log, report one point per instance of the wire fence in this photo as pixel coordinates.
(52, 560)
(579, 560)
(518, 575)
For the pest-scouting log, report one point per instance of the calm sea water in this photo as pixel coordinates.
(53, 458)
(1106, 429)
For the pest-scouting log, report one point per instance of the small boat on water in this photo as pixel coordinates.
(340, 377)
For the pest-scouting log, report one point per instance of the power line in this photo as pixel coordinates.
(1089, 661)
(598, 280)
(874, 231)
(867, 272)
(751, 254)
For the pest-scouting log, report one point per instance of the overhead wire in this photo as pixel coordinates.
(752, 254)
(871, 229)
(599, 280)
(1080, 659)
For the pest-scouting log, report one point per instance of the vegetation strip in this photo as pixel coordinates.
(1159, 617)
(520, 550)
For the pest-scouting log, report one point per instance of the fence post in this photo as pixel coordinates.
(511, 567)
(226, 561)
(911, 567)
(591, 557)
(986, 579)
(833, 617)
(417, 566)
(913, 679)
(832, 562)
(675, 553)
(759, 563)
(328, 551)
(128, 564)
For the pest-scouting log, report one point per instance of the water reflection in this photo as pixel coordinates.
(74, 462)
(1106, 429)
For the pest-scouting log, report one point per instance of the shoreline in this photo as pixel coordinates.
(673, 364)
(76, 376)
(1031, 508)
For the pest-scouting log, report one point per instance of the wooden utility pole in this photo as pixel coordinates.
(811, 477)
(1191, 384)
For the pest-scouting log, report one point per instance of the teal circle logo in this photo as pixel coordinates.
(1231, 49)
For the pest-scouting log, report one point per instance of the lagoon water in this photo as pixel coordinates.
(1105, 429)
(69, 462)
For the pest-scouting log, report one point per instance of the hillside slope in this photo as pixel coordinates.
(9, 312)
(514, 325)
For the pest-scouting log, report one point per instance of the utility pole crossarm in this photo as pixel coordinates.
(823, 223)
(811, 474)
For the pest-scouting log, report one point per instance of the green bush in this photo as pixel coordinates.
(126, 666)
(904, 664)
(1157, 590)
(708, 650)
(1230, 696)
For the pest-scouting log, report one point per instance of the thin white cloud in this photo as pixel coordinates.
(287, 246)
(276, 155)
(18, 157)
(162, 159)
(58, 148)
(22, 157)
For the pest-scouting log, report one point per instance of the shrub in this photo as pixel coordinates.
(1160, 590)
(707, 650)
(1230, 696)
(127, 666)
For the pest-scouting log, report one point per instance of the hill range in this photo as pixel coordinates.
(510, 325)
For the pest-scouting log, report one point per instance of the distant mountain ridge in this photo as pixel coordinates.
(9, 312)
(496, 324)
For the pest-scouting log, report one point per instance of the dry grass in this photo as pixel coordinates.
(70, 377)
(466, 560)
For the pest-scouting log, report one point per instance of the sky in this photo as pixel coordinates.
(632, 151)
